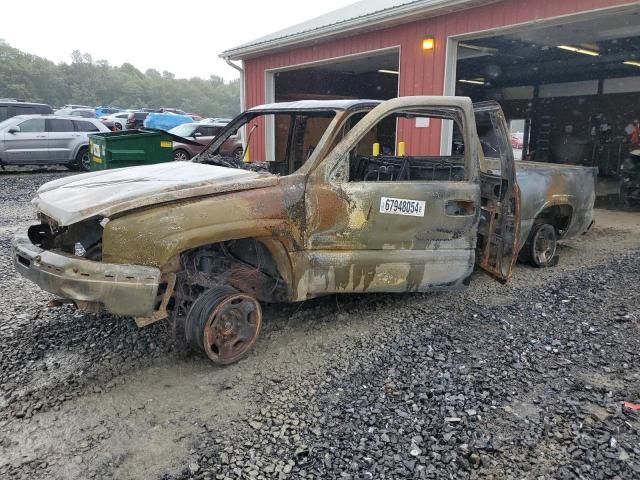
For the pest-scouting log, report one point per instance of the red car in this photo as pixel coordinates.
(517, 140)
(202, 133)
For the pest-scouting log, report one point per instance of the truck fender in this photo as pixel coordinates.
(257, 266)
(558, 214)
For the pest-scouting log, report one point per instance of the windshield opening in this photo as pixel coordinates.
(280, 143)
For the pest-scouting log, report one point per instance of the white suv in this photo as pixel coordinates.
(48, 140)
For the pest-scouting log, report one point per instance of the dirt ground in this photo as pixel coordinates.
(86, 396)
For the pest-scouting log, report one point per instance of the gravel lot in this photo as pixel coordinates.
(525, 380)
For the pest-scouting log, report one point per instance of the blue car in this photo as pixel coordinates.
(103, 111)
(166, 121)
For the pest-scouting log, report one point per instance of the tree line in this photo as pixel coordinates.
(87, 82)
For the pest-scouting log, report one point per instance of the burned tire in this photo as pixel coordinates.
(541, 247)
(224, 324)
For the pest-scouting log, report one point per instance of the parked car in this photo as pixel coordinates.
(77, 112)
(203, 134)
(172, 110)
(216, 120)
(517, 140)
(115, 121)
(204, 242)
(72, 106)
(165, 121)
(10, 108)
(47, 140)
(104, 111)
(196, 118)
(136, 119)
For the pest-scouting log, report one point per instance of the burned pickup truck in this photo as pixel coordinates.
(352, 199)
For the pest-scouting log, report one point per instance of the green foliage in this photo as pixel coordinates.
(88, 82)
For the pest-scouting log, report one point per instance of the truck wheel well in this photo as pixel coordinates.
(246, 264)
(557, 215)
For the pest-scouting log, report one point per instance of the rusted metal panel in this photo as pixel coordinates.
(123, 289)
(562, 185)
(72, 199)
(290, 237)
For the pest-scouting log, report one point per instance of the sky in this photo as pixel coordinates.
(184, 37)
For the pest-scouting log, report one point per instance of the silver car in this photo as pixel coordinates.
(115, 121)
(48, 140)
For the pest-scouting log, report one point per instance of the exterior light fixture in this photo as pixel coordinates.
(428, 43)
(474, 82)
(392, 72)
(632, 62)
(584, 51)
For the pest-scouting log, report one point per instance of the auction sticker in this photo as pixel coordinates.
(401, 206)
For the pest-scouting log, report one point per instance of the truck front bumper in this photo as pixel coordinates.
(122, 289)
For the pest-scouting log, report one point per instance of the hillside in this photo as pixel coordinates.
(88, 82)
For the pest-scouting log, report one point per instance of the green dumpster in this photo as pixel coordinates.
(128, 148)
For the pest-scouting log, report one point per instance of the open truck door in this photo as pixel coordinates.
(499, 228)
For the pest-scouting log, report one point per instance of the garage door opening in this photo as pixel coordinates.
(370, 76)
(569, 91)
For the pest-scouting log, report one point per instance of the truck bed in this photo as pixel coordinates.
(544, 185)
(547, 184)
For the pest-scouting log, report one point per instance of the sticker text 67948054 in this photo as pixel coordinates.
(401, 206)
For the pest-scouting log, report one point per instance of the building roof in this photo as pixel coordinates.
(365, 14)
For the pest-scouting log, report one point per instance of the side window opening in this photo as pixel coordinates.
(492, 141)
(383, 156)
(489, 140)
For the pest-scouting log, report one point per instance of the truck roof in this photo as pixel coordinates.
(315, 105)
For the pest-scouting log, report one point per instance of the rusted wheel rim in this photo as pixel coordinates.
(545, 245)
(232, 328)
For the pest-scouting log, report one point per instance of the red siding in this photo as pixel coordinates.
(421, 73)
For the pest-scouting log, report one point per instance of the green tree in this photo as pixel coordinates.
(88, 82)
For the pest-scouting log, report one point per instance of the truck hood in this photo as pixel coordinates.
(102, 194)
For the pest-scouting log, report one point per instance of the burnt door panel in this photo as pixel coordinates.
(385, 222)
(499, 229)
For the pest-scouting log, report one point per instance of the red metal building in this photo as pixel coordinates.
(385, 37)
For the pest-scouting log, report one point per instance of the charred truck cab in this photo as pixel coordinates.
(341, 206)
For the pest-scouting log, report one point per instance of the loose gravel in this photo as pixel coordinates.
(525, 380)
(530, 389)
